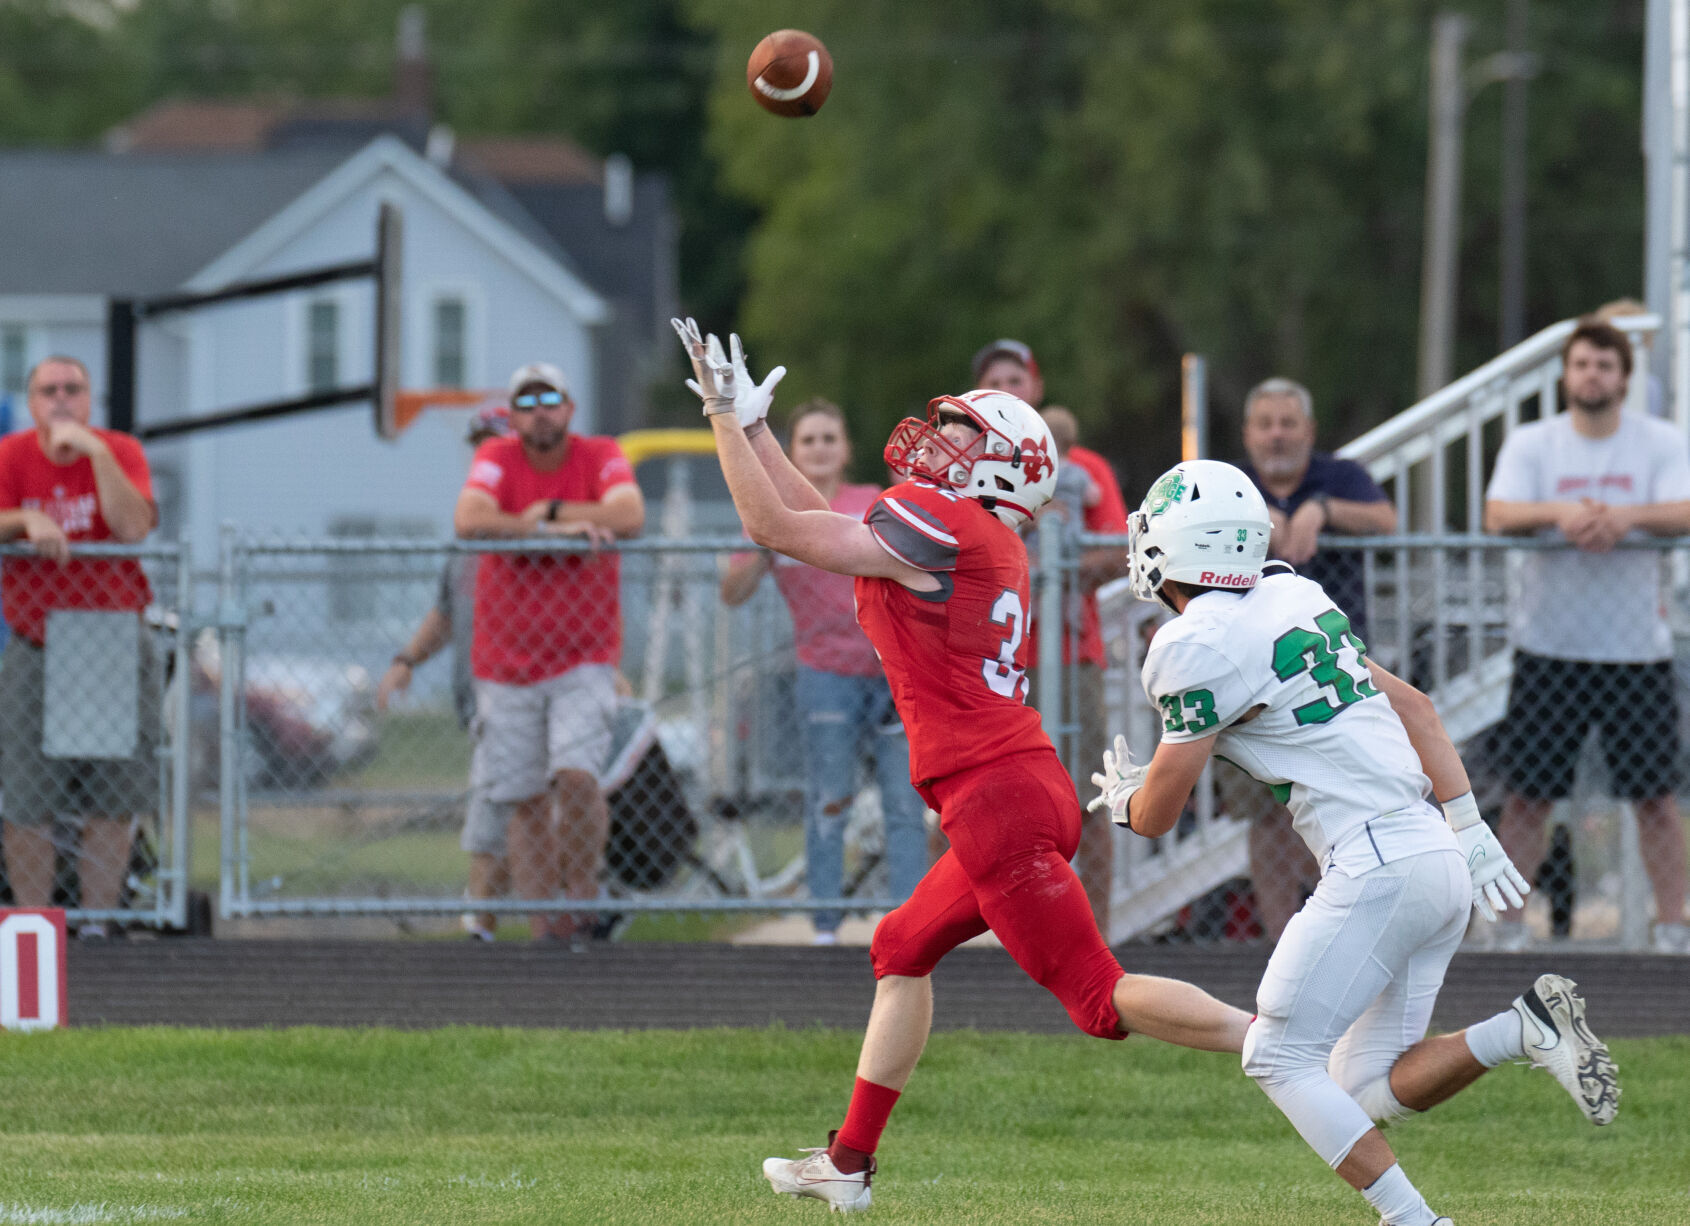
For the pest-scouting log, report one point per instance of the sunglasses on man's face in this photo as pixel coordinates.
(529, 401)
(51, 390)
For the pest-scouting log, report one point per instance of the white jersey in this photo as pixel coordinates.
(1326, 740)
(1643, 461)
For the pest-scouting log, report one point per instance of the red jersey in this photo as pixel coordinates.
(1108, 516)
(31, 587)
(956, 658)
(540, 616)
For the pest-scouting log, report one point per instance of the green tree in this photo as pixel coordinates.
(1117, 182)
(63, 77)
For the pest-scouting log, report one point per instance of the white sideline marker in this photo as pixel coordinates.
(32, 970)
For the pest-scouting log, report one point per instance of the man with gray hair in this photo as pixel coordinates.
(64, 483)
(1308, 493)
(1311, 492)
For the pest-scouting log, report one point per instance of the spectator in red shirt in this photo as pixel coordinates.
(548, 637)
(66, 483)
(840, 688)
(1009, 366)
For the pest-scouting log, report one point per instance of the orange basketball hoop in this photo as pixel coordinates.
(409, 404)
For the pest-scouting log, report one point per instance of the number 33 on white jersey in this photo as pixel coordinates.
(1326, 740)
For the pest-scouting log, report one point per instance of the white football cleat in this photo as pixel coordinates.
(1558, 1040)
(816, 1176)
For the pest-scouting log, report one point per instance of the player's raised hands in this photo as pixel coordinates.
(713, 373)
(752, 400)
(1117, 782)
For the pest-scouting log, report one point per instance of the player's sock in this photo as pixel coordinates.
(859, 1136)
(1497, 1040)
(1399, 1202)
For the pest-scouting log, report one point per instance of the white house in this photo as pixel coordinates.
(486, 288)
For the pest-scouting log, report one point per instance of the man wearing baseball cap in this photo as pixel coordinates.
(1009, 366)
(547, 640)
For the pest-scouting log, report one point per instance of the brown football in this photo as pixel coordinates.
(790, 73)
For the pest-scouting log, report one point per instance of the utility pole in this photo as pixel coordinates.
(1512, 312)
(1452, 86)
(1443, 203)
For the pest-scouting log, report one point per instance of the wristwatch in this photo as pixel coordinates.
(552, 508)
(404, 659)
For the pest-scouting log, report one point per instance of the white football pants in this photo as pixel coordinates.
(1350, 988)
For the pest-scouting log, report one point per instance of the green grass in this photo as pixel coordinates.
(485, 1126)
(418, 749)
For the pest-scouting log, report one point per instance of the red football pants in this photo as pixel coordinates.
(1013, 825)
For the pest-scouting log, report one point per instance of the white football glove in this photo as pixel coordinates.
(713, 373)
(1497, 884)
(752, 399)
(1117, 782)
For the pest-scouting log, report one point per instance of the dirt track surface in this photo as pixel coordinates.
(423, 984)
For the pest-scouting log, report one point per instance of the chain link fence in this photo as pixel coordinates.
(740, 782)
(683, 733)
(1576, 749)
(94, 728)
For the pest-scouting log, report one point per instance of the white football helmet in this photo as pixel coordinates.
(1203, 523)
(1010, 466)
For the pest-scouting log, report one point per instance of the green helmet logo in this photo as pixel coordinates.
(1165, 493)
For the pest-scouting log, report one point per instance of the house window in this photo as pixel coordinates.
(449, 342)
(322, 341)
(14, 358)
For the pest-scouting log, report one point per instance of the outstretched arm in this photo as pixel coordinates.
(820, 538)
(751, 404)
(1149, 799)
(793, 486)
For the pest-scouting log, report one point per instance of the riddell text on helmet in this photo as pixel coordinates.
(1210, 579)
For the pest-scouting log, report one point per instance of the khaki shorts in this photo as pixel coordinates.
(37, 788)
(485, 822)
(525, 734)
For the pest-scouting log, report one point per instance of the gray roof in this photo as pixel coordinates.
(82, 222)
(623, 262)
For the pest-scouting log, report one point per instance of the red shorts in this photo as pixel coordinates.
(1013, 826)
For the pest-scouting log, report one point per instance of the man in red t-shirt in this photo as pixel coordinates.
(548, 637)
(66, 483)
(942, 593)
(1009, 365)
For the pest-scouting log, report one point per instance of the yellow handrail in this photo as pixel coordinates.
(642, 445)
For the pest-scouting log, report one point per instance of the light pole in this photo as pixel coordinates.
(1452, 88)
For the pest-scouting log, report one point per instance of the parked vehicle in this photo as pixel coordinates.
(308, 719)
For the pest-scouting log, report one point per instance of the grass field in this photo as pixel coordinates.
(495, 1126)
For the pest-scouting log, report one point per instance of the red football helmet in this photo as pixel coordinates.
(1010, 466)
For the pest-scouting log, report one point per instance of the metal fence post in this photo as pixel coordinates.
(231, 791)
(181, 838)
(1048, 602)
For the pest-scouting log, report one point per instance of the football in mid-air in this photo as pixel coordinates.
(790, 73)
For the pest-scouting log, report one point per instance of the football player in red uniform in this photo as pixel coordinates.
(942, 592)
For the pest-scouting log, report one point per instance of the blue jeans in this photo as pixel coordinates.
(841, 717)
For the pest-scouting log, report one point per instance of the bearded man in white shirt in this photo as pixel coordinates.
(1591, 641)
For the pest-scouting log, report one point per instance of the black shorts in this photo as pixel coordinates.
(1551, 706)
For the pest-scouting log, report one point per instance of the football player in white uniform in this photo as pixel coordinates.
(1262, 669)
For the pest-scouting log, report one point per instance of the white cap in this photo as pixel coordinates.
(539, 372)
